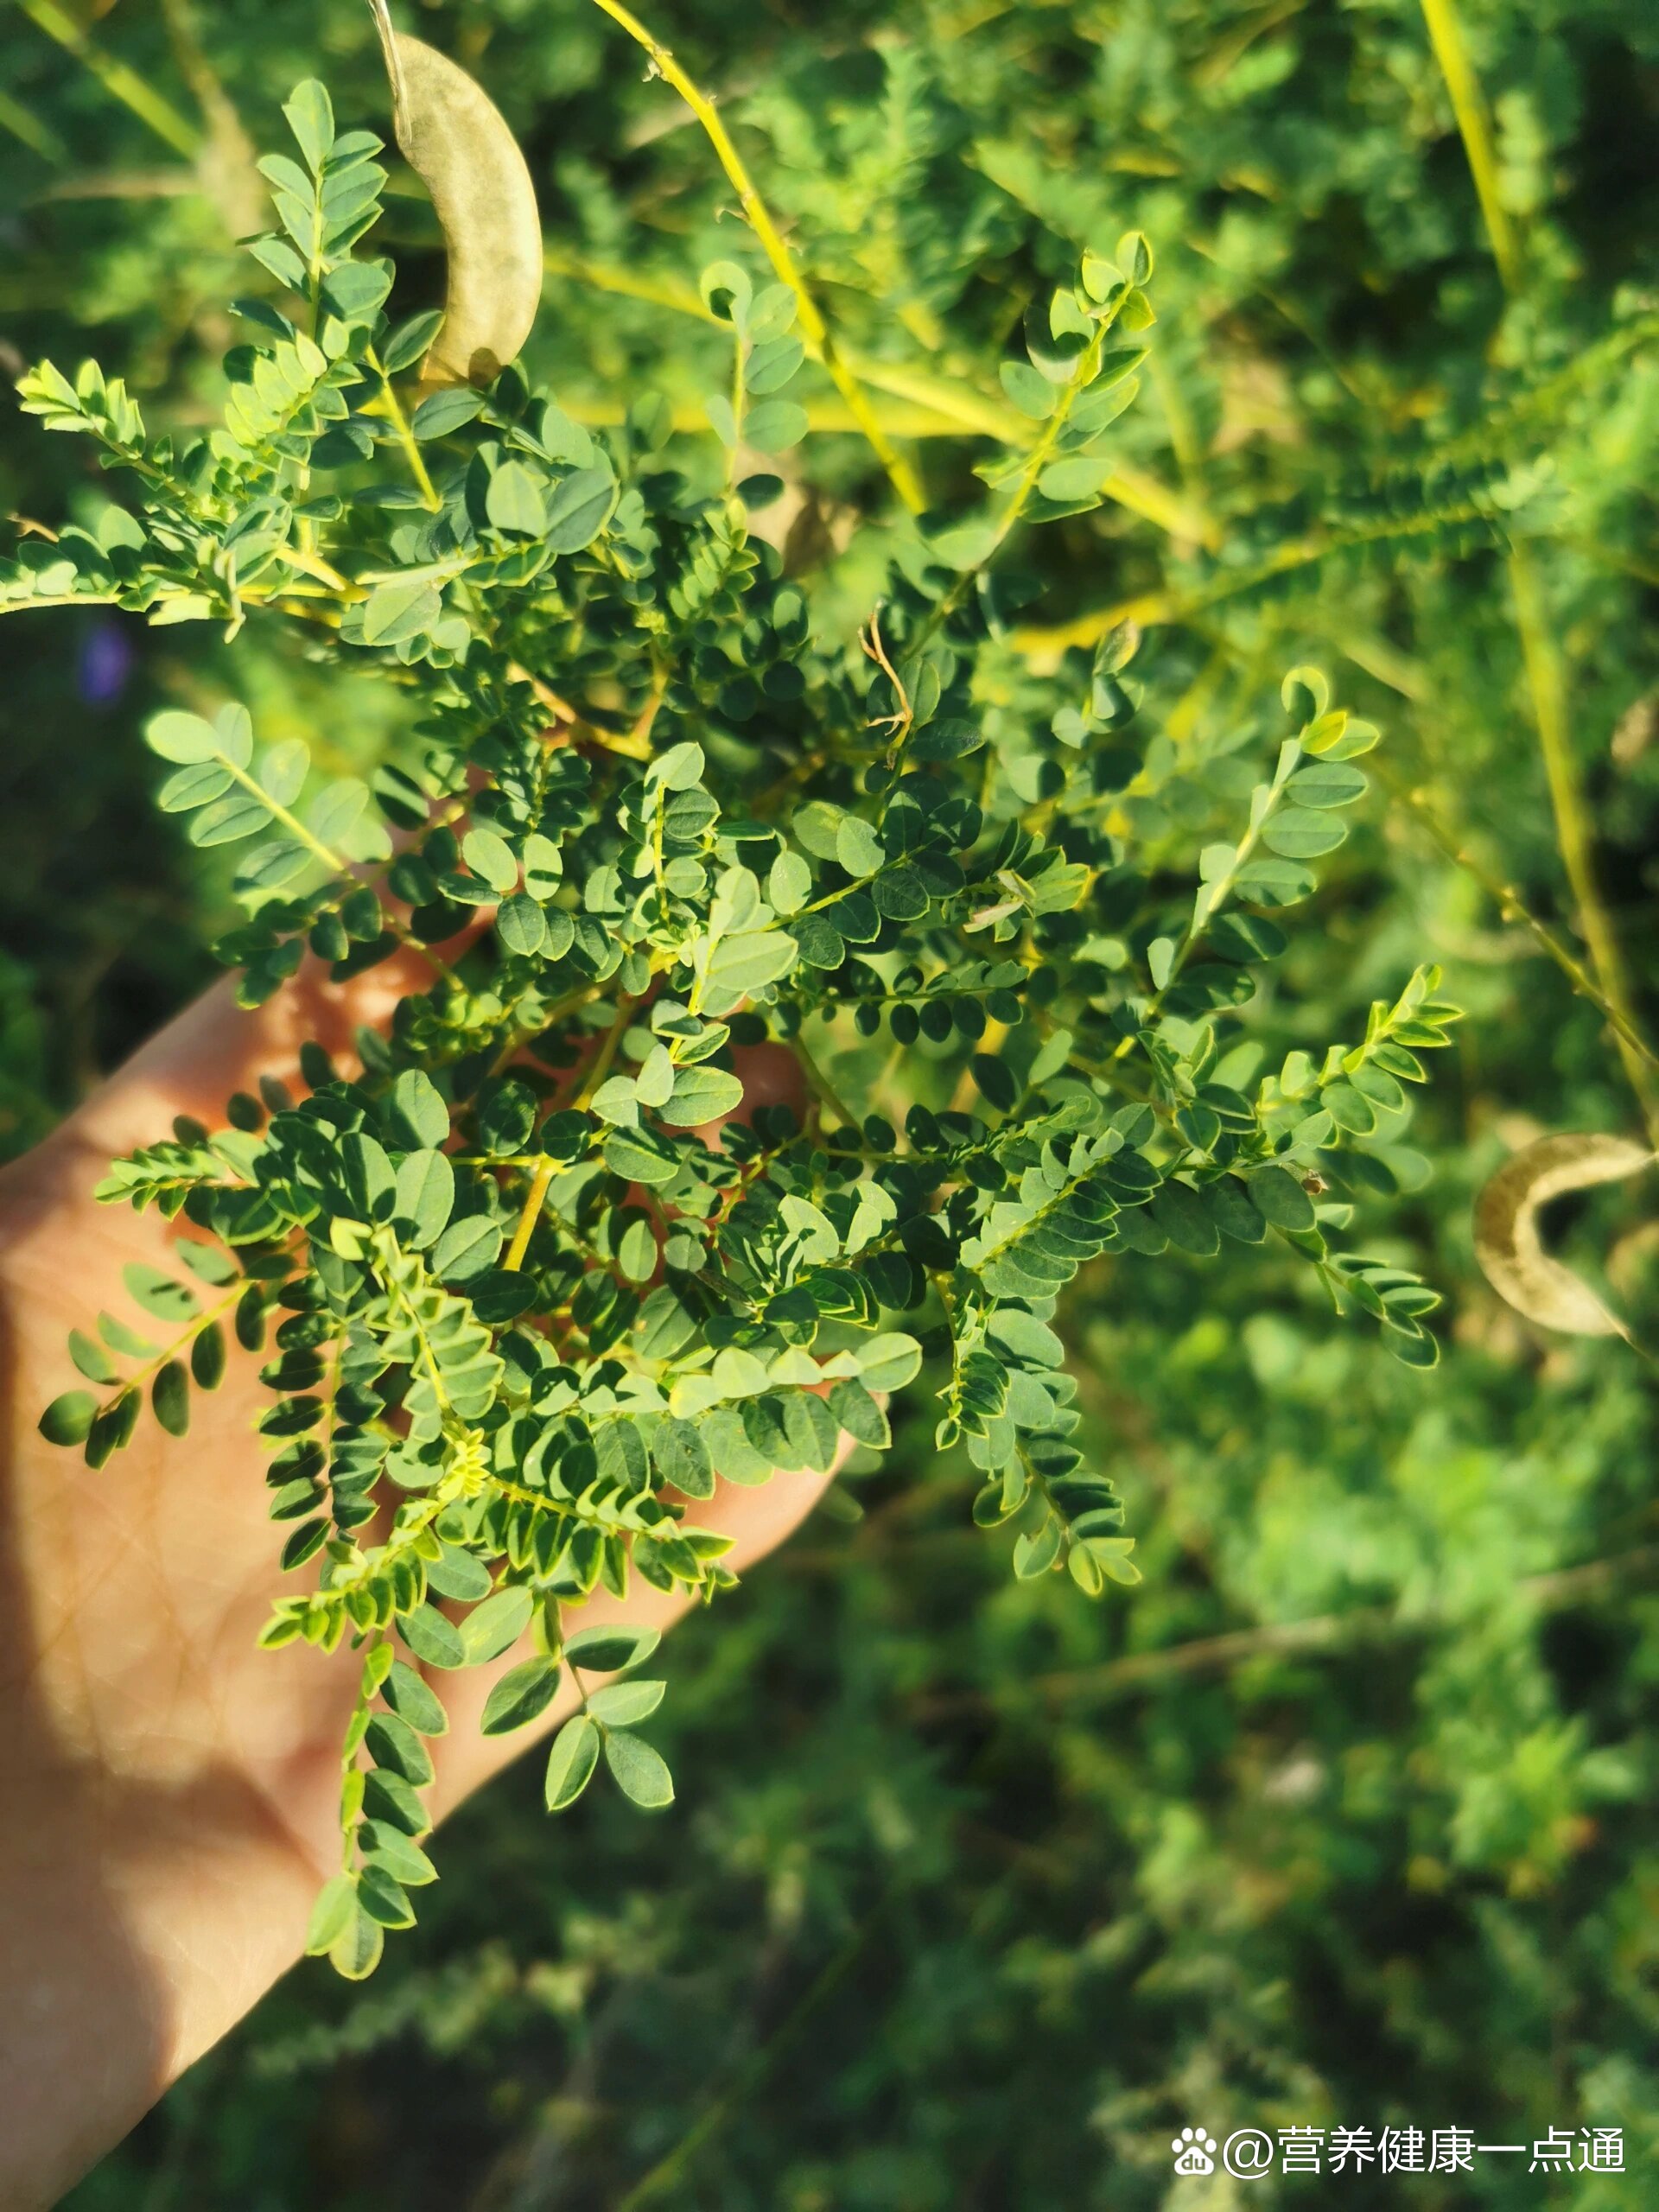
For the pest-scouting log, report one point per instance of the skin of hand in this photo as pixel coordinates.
(170, 1792)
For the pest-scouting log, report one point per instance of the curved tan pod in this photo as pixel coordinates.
(457, 141)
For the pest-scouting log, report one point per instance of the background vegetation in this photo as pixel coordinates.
(979, 1892)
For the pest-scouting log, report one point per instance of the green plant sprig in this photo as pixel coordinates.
(523, 1310)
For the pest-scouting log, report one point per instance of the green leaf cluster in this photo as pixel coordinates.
(519, 1296)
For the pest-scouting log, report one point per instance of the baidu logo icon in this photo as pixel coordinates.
(1195, 2152)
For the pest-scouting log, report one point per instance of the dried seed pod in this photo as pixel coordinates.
(1507, 1243)
(457, 141)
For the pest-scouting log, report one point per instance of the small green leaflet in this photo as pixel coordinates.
(608, 1651)
(639, 1773)
(571, 1762)
(521, 1696)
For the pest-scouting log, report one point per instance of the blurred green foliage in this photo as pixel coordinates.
(983, 1892)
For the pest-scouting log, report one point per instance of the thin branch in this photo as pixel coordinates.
(124, 83)
(1474, 123)
(541, 1181)
(1546, 678)
(1511, 905)
(814, 327)
(820, 1083)
(1153, 609)
(30, 131)
(939, 407)
(1321, 1632)
(391, 406)
(714, 2117)
(1547, 683)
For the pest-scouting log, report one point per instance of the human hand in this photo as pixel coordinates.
(171, 1791)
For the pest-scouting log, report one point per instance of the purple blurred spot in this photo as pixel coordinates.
(106, 658)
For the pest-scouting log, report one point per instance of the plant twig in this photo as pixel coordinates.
(814, 327)
(29, 131)
(1545, 679)
(821, 1084)
(392, 407)
(542, 1180)
(1513, 906)
(1044, 645)
(1474, 124)
(749, 2077)
(126, 85)
(1321, 1632)
(1546, 684)
(930, 406)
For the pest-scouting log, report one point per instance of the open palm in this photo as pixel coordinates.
(171, 1791)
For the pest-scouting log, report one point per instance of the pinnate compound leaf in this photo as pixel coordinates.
(466, 1247)
(399, 1855)
(579, 509)
(182, 738)
(887, 1362)
(90, 1356)
(381, 1899)
(425, 1197)
(1280, 1199)
(356, 1951)
(776, 425)
(700, 1094)
(682, 1458)
(414, 1700)
(396, 611)
(158, 1293)
(513, 501)
(419, 1115)
(392, 1743)
(170, 1395)
(521, 925)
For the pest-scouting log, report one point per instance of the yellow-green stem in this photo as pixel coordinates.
(820, 1083)
(1474, 124)
(295, 829)
(1153, 609)
(737, 441)
(140, 1376)
(541, 1181)
(1546, 684)
(125, 84)
(406, 436)
(814, 328)
(1513, 907)
(38, 136)
(1545, 676)
(938, 407)
(312, 564)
